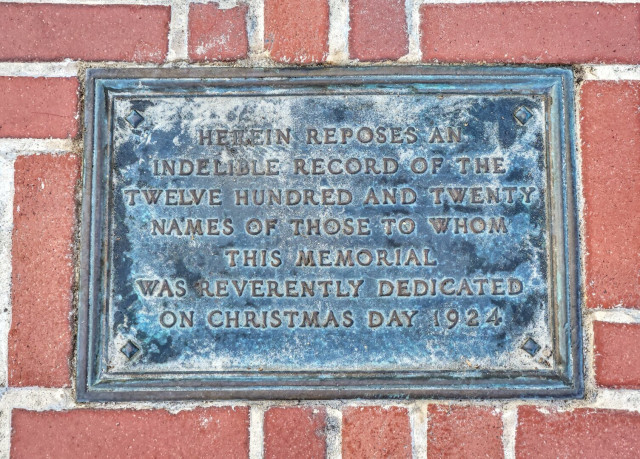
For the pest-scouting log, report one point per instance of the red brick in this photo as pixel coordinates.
(52, 32)
(610, 132)
(38, 107)
(464, 431)
(216, 34)
(369, 432)
(599, 434)
(378, 29)
(534, 32)
(295, 432)
(42, 275)
(617, 355)
(202, 432)
(296, 31)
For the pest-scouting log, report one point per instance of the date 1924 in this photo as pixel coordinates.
(451, 318)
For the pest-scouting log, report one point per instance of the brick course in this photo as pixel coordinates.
(42, 275)
(546, 433)
(464, 431)
(296, 31)
(202, 432)
(295, 432)
(617, 355)
(216, 34)
(53, 32)
(38, 107)
(378, 30)
(610, 132)
(375, 432)
(535, 32)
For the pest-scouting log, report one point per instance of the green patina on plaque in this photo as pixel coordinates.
(335, 233)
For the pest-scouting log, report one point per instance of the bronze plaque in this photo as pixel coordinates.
(333, 233)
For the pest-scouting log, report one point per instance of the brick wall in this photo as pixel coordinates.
(44, 51)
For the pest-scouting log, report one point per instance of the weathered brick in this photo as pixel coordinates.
(295, 432)
(376, 432)
(42, 274)
(38, 107)
(464, 431)
(51, 32)
(602, 434)
(610, 132)
(536, 32)
(216, 34)
(202, 432)
(297, 31)
(378, 29)
(617, 355)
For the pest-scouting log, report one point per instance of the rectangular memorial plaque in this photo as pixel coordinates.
(329, 233)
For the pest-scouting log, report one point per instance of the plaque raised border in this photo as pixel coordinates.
(563, 381)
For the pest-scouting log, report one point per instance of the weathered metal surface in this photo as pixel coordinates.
(335, 233)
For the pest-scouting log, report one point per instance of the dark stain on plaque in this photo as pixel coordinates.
(329, 233)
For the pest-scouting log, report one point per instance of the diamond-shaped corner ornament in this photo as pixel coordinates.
(522, 115)
(130, 350)
(531, 347)
(134, 118)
